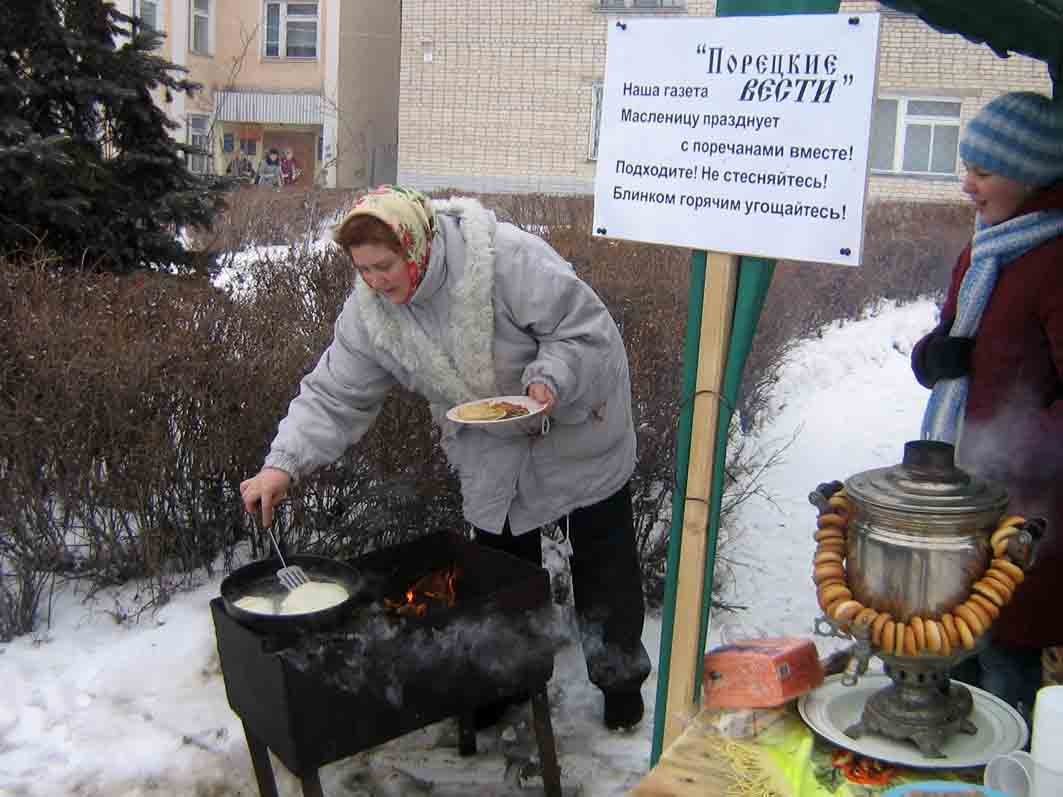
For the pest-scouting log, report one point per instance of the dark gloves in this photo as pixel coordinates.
(941, 356)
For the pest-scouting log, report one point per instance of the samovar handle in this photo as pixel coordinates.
(819, 497)
(860, 655)
(1022, 548)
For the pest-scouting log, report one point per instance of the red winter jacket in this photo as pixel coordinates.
(1013, 425)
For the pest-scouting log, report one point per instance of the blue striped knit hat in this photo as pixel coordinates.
(1017, 135)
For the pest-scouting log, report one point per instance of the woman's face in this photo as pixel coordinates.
(383, 269)
(995, 198)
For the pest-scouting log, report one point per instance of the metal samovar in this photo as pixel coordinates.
(917, 541)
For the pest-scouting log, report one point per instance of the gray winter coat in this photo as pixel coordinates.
(497, 310)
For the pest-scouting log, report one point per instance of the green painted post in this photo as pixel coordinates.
(754, 278)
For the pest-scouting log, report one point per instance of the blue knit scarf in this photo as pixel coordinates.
(993, 248)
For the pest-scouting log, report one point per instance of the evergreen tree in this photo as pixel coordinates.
(89, 168)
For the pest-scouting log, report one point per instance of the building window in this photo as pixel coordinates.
(228, 142)
(200, 31)
(249, 146)
(199, 137)
(148, 11)
(596, 119)
(915, 135)
(291, 30)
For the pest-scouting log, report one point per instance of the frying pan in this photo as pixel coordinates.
(260, 578)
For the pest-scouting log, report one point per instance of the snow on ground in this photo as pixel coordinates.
(232, 278)
(129, 710)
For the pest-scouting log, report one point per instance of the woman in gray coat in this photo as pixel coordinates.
(457, 306)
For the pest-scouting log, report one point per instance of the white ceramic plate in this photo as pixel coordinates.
(533, 407)
(833, 707)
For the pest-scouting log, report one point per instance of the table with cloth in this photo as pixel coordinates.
(787, 759)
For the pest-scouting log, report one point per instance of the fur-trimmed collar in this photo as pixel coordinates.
(466, 373)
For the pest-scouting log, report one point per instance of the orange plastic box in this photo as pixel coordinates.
(760, 673)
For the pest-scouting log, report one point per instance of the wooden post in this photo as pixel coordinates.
(718, 308)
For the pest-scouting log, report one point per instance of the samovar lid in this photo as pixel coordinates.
(926, 481)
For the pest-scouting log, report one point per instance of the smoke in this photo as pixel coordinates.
(384, 658)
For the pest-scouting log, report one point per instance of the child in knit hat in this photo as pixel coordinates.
(995, 363)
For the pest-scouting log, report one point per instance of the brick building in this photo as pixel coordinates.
(503, 96)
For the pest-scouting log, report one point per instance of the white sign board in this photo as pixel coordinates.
(746, 135)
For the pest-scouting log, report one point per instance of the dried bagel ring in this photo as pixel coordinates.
(828, 556)
(918, 627)
(832, 607)
(832, 544)
(829, 533)
(830, 519)
(999, 580)
(970, 619)
(899, 632)
(952, 634)
(826, 602)
(829, 570)
(876, 628)
(841, 504)
(1000, 549)
(847, 610)
(990, 591)
(933, 632)
(966, 637)
(946, 645)
(866, 616)
(889, 636)
(910, 646)
(1001, 534)
(990, 608)
(983, 615)
(831, 581)
(1012, 570)
(832, 592)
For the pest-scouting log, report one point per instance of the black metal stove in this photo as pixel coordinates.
(319, 695)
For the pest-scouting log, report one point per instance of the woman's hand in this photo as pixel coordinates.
(265, 490)
(537, 391)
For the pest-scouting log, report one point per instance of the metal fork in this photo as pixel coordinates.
(291, 577)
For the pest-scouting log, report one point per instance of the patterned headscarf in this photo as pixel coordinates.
(408, 213)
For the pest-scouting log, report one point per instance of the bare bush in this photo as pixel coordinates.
(132, 407)
(258, 216)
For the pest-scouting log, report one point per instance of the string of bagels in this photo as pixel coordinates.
(919, 636)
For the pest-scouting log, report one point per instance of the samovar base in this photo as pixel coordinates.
(921, 706)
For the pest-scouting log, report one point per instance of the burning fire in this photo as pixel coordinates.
(437, 588)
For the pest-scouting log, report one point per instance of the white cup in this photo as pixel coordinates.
(1019, 775)
(1046, 742)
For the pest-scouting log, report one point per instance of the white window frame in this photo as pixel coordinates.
(597, 93)
(199, 135)
(282, 34)
(156, 6)
(208, 17)
(906, 118)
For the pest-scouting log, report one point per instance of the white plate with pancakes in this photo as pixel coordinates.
(497, 409)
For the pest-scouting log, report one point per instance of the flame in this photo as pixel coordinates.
(438, 588)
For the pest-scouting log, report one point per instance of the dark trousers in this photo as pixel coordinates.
(606, 585)
(1011, 673)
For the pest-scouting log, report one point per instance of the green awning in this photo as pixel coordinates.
(1028, 27)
